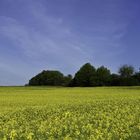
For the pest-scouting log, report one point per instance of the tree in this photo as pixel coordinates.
(102, 76)
(126, 71)
(88, 76)
(114, 80)
(51, 78)
(136, 76)
(126, 76)
(67, 80)
(85, 76)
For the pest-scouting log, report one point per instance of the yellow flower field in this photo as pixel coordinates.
(41, 113)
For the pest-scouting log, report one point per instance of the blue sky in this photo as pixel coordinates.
(65, 34)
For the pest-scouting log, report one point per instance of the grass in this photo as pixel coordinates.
(42, 113)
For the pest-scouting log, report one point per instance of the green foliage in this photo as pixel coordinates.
(102, 76)
(137, 76)
(67, 80)
(88, 76)
(126, 71)
(85, 76)
(128, 77)
(52, 78)
(40, 113)
(114, 80)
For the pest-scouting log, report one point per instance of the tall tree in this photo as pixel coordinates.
(102, 76)
(126, 71)
(85, 76)
(126, 76)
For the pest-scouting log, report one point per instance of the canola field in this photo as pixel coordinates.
(46, 113)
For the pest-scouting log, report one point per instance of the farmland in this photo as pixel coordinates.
(40, 113)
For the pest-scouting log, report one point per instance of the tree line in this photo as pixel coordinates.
(88, 76)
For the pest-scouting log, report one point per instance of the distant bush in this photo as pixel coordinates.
(51, 78)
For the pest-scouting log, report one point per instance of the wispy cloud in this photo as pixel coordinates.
(53, 39)
(46, 40)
